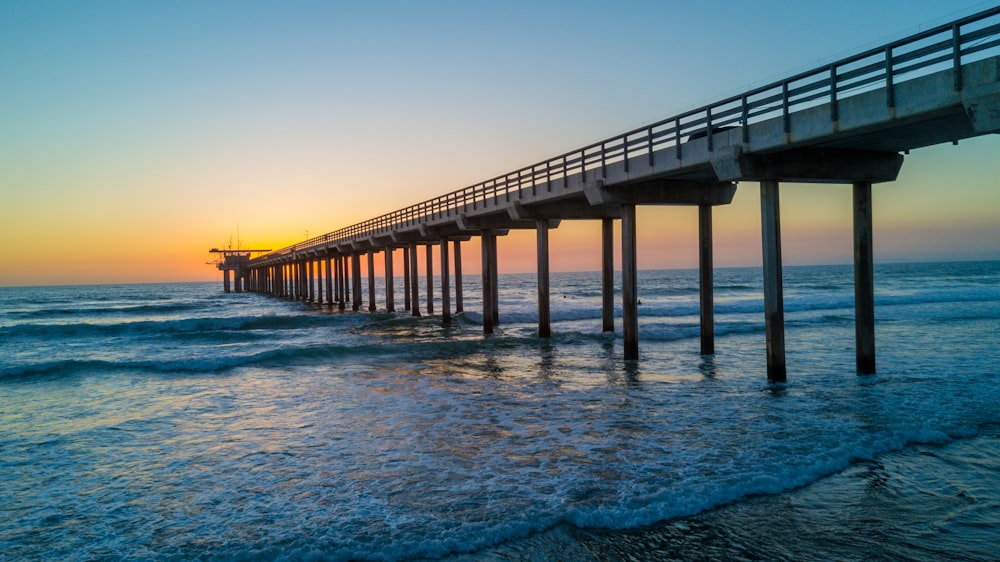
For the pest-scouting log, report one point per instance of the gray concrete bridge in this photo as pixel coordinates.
(846, 122)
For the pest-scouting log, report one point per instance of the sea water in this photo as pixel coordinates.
(177, 422)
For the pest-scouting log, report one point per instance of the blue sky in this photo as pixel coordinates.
(139, 134)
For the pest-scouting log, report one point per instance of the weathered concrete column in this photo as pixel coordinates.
(487, 287)
(607, 275)
(329, 281)
(542, 254)
(319, 281)
(706, 279)
(310, 281)
(371, 281)
(430, 279)
(445, 285)
(864, 279)
(296, 280)
(342, 264)
(774, 308)
(356, 278)
(225, 281)
(494, 279)
(414, 289)
(458, 277)
(630, 309)
(390, 298)
(406, 278)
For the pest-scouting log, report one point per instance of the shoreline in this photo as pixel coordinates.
(923, 502)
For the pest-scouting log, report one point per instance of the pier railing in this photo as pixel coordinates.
(947, 46)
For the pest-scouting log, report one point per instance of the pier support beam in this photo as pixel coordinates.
(458, 277)
(864, 279)
(371, 281)
(390, 297)
(774, 310)
(225, 281)
(494, 279)
(445, 285)
(607, 275)
(414, 289)
(430, 279)
(487, 286)
(542, 252)
(309, 278)
(329, 281)
(342, 295)
(705, 279)
(356, 281)
(630, 309)
(319, 281)
(406, 278)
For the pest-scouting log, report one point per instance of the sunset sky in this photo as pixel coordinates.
(134, 136)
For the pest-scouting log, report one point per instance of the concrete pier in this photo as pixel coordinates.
(845, 122)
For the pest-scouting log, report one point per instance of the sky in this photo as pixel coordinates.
(134, 136)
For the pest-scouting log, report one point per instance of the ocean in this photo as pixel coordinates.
(177, 422)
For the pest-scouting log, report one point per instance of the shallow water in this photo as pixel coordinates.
(178, 422)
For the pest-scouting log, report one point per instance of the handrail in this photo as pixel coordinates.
(904, 56)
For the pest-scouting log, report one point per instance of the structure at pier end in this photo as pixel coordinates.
(237, 262)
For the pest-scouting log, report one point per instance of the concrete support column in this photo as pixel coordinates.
(494, 279)
(630, 309)
(310, 282)
(706, 279)
(774, 308)
(371, 281)
(319, 281)
(487, 287)
(406, 278)
(390, 298)
(542, 255)
(458, 277)
(414, 289)
(608, 275)
(329, 281)
(348, 280)
(445, 285)
(342, 277)
(864, 279)
(430, 279)
(225, 281)
(356, 278)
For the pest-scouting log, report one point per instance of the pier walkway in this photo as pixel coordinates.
(847, 122)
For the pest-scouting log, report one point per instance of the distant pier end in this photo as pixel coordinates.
(237, 261)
